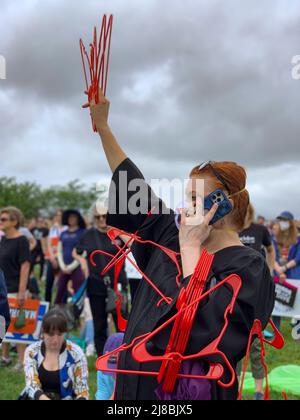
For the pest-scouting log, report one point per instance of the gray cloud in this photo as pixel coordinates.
(189, 81)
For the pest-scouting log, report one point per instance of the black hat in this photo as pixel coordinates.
(286, 216)
(68, 213)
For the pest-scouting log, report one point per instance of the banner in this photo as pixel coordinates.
(34, 312)
(287, 303)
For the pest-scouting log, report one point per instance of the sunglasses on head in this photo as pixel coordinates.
(209, 164)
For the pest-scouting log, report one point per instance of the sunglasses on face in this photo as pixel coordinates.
(216, 173)
(102, 216)
(4, 219)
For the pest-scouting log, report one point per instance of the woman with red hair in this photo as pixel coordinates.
(256, 297)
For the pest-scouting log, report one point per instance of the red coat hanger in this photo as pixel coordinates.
(97, 61)
(183, 322)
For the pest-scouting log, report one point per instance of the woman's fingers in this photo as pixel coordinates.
(210, 215)
(101, 97)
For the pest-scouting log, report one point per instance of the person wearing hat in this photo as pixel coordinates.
(70, 268)
(106, 382)
(287, 246)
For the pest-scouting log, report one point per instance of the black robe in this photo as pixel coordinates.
(255, 300)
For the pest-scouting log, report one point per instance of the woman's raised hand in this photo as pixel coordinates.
(99, 112)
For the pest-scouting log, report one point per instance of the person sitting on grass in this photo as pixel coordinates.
(55, 369)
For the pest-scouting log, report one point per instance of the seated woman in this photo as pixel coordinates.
(256, 297)
(4, 308)
(55, 369)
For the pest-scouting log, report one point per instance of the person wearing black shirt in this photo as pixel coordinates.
(40, 233)
(15, 264)
(258, 238)
(97, 239)
(256, 297)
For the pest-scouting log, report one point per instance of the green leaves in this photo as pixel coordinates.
(32, 199)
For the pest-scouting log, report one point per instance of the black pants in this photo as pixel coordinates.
(38, 259)
(277, 322)
(98, 307)
(51, 273)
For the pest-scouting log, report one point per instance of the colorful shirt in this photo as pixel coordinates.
(73, 372)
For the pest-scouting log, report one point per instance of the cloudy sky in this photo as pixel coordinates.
(189, 81)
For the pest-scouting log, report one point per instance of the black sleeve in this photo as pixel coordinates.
(4, 308)
(267, 240)
(255, 301)
(128, 183)
(24, 250)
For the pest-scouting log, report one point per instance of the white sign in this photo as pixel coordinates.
(285, 311)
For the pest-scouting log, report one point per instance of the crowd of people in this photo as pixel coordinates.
(51, 260)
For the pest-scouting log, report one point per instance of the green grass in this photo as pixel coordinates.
(13, 383)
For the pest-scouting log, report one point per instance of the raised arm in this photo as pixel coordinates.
(114, 153)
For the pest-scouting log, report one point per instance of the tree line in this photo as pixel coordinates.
(35, 200)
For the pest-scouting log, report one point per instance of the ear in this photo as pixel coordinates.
(15, 222)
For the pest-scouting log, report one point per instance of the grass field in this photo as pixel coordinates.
(11, 384)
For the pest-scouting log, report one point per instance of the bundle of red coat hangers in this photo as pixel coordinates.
(187, 306)
(96, 62)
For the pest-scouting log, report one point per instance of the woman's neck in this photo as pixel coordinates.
(52, 353)
(73, 228)
(221, 239)
(12, 233)
(102, 230)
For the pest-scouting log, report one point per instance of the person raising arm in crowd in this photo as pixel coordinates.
(257, 295)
